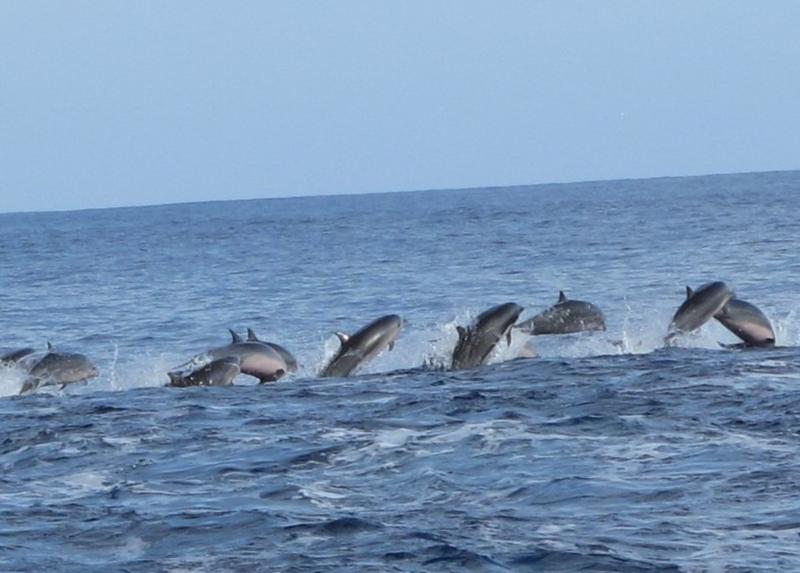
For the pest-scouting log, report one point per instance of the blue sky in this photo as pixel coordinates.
(138, 102)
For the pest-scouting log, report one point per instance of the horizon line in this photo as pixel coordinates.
(427, 190)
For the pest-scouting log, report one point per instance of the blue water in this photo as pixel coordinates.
(607, 453)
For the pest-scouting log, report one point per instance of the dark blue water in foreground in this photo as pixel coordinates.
(607, 453)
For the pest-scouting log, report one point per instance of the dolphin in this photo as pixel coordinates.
(15, 357)
(58, 368)
(220, 372)
(698, 308)
(565, 317)
(476, 342)
(363, 346)
(291, 362)
(747, 322)
(255, 359)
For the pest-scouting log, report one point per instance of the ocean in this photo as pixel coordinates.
(608, 452)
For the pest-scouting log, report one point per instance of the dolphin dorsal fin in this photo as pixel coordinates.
(343, 338)
(235, 338)
(561, 296)
(251, 335)
(49, 345)
(462, 332)
(689, 291)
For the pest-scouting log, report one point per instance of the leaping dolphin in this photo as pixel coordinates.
(477, 341)
(15, 357)
(698, 308)
(746, 321)
(255, 359)
(58, 368)
(217, 373)
(364, 345)
(565, 317)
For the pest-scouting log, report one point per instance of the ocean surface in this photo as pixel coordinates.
(608, 453)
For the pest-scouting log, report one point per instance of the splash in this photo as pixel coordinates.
(11, 380)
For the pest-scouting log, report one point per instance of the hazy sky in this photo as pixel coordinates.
(106, 103)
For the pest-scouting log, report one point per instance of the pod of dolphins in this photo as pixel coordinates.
(268, 361)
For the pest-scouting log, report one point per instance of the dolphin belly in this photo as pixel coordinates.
(288, 359)
(746, 321)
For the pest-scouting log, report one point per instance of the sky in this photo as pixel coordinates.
(140, 102)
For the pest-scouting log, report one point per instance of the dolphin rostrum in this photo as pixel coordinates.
(698, 308)
(58, 368)
(220, 372)
(565, 317)
(476, 342)
(746, 321)
(364, 345)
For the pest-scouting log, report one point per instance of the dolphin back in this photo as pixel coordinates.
(566, 317)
